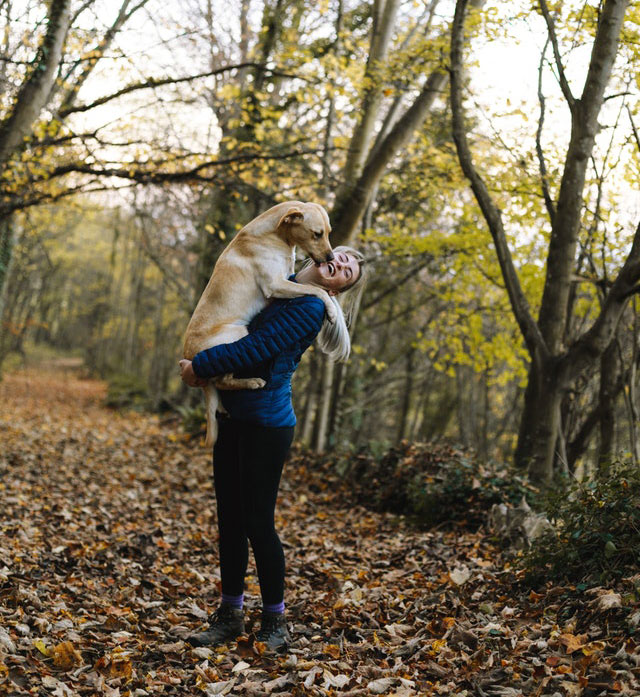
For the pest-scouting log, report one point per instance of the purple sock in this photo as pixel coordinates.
(233, 600)
(277, 608)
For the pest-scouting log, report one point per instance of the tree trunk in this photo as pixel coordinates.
(7, 238)
(349, 209)
(311, 402)
(632, 398)
(35, 91)
(606, 396)
(406, 396)
(384, 16)
(322, 416)
(336, 401)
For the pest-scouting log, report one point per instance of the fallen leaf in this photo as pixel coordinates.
(572, 642)
(460, 575)
(378, 687)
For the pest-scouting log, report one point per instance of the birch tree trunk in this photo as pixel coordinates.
(409, 375)
(322, 415)
(34, 93)
(351, 202)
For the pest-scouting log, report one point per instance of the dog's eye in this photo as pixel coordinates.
(317, 235)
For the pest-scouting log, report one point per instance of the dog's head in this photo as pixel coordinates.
(308, 229)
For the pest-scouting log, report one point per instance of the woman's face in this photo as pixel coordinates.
(334, 275)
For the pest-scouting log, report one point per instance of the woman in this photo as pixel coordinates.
(256, 432)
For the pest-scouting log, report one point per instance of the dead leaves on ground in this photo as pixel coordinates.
(108, 561)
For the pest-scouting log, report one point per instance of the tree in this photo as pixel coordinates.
(554, 365)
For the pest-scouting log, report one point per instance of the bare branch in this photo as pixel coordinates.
(97, 52)
(159, 82)
(633, 127)
(153, 176)
(548, 201)
(562, 78)
(593, 343)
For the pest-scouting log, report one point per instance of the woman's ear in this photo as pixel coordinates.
(332, 292)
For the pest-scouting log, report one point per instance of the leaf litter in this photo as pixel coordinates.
(108, 562)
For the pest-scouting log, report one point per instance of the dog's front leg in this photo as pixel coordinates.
(282, 288)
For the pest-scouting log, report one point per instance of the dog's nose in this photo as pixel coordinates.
(329, 257)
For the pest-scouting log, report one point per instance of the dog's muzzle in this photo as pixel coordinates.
(328, 257)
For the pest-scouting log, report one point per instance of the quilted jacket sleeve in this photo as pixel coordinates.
(296, 320)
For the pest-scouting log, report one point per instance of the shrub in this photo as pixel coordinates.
(597, 527)
(194, 418)
(433, 484)
(126, 390)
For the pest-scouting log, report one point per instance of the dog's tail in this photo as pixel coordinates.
(211, 400)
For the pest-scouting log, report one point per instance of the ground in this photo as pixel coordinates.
(108, 560)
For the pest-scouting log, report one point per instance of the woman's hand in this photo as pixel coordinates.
(188, 376)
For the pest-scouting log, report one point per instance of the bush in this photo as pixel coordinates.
(126, 390)
(597, 526)
(194, 419)
(433, 484)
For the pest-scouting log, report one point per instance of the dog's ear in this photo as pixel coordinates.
(292, 216)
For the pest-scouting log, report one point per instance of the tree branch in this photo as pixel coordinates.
(159, 82)
(519, 303)
(593, 342)
(97, 53)
(548, 201)
(153, 176)
(633, 127)
(564, 85)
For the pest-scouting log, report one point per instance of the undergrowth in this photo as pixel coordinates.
(596, 534)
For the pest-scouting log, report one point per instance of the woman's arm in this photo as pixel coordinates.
(294, 321)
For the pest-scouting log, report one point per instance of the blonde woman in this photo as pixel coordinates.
(255, 435)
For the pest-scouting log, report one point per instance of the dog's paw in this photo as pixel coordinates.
(255, 383)
(332, 313)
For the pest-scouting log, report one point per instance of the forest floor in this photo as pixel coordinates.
(108, 560)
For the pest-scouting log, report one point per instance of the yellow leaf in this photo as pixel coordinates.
(40, 645)
(593, 647)
(438, 645)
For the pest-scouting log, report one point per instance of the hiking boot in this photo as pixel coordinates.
(226, 624)
(273, 631)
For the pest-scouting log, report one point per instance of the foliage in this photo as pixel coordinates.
(432, 484)
(598, 529)
(126, 390)
(194, 418)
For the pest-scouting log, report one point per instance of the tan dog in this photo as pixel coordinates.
(252, 269)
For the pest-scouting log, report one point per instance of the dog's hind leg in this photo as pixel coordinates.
(228, 382)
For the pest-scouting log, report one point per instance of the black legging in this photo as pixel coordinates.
(247, 465)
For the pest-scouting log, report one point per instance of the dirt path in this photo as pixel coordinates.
(107, 561)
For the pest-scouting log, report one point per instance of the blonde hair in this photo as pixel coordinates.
(333, 338)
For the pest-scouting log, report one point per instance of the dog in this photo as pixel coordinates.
(254, 268)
